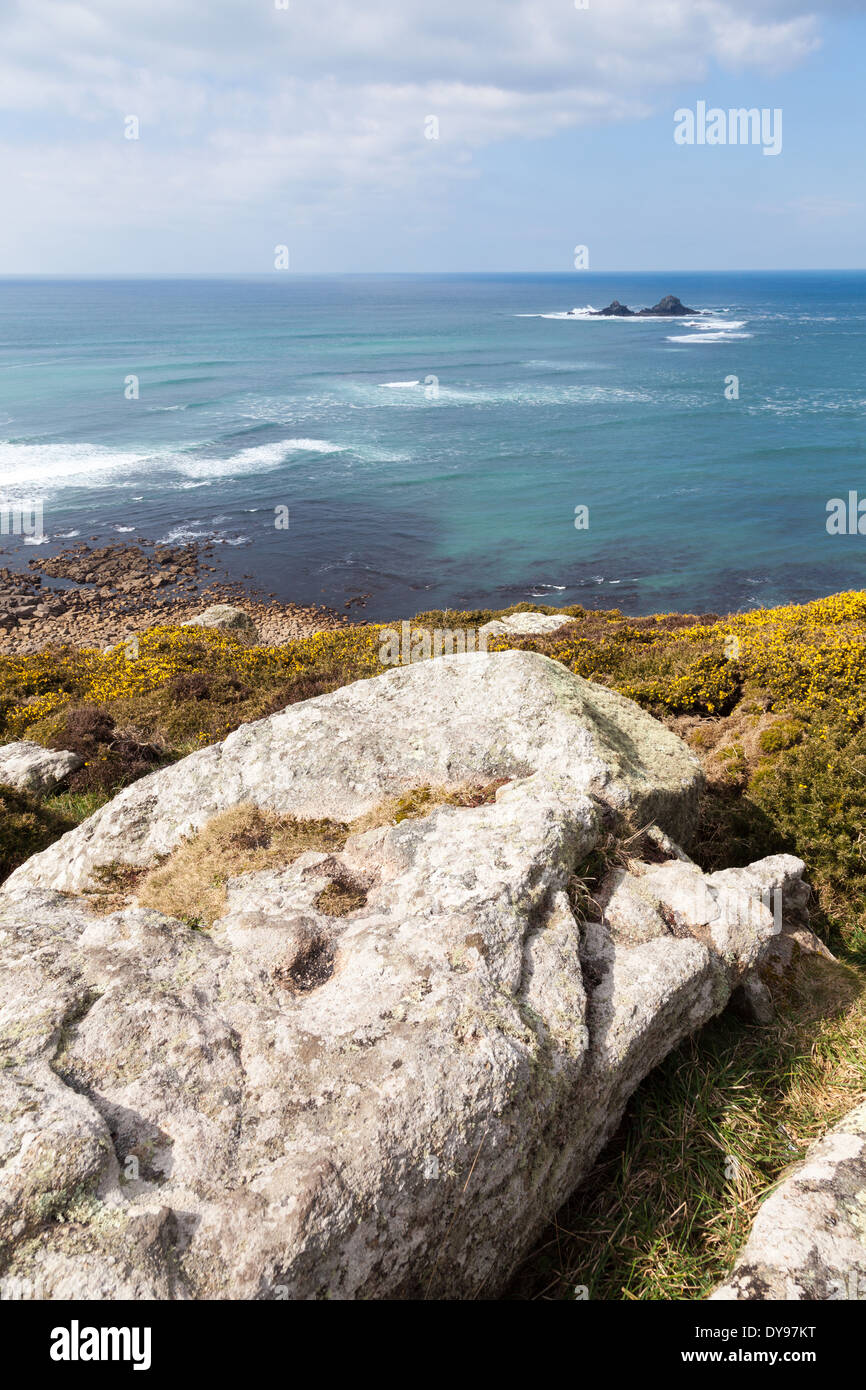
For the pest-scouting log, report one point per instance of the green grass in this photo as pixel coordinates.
(705, 1138)
(77, 806)
(29, 824)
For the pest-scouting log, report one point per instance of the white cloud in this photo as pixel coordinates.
(242, 103)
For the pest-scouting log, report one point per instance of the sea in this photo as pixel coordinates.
(447, 441)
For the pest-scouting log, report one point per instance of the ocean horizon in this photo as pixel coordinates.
(447, 440)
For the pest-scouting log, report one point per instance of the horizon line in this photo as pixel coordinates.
(383, 274)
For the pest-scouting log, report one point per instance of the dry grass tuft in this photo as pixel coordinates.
(340, 898)
(191, 884)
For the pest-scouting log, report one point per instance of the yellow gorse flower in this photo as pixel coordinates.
(812, 655)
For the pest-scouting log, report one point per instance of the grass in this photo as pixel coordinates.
(29, 823)
(27, 826)
(77, 806)
(773, 702)
(190, 883)
(340, 898)
(705, 1138)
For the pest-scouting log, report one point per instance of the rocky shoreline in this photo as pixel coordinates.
(92, 597)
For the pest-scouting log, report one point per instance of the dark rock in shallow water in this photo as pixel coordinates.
(666, 308)
(616, 311)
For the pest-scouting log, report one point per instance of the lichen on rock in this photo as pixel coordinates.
(386, 1101)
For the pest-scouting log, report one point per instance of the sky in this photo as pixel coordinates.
(306, 124)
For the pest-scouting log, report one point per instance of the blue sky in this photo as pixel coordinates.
(306, 127)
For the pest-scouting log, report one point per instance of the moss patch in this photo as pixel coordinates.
(783, 733)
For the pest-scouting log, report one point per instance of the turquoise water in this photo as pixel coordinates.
(294, 392)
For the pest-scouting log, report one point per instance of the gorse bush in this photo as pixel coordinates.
(185, 687)
(784, 733)
(815, 796)
(811, 655)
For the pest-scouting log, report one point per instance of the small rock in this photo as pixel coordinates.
(807, 1241)
(227, 617)
(28, 767)
(524, 624)
(752, 1001)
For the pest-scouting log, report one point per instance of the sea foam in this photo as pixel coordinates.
(55, 466)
